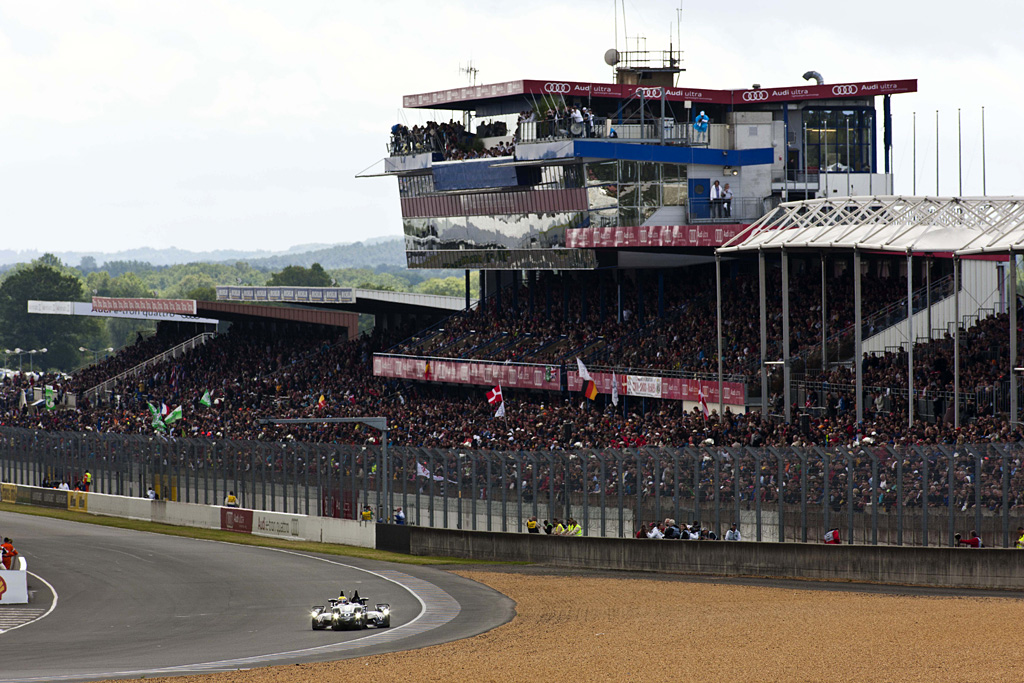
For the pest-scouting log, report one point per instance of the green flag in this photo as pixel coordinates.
(206, 400)
(50, 401)
(157, 422)
(174, 416)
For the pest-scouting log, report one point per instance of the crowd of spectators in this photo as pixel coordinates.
(685, 339)
(451, 140)
(430, 137)
(253, 373)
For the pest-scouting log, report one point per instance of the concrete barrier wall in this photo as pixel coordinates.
(999, 569)
(257, 522)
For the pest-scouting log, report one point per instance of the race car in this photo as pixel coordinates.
(344, 614)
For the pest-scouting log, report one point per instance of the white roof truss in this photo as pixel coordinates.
(964, 225)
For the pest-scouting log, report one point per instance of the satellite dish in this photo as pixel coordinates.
(611, 57)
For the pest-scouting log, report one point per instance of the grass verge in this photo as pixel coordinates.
(241, 539)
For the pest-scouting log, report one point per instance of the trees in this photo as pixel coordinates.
(297, 276)
(61, 335)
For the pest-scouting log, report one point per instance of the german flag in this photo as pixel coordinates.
(591, 390)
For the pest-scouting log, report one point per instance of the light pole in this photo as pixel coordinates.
(96, 353)
(32, 353)
(19, 352)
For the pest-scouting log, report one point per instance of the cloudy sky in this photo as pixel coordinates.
(217, 124)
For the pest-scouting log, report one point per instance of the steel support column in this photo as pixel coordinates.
(858, 350)
(785, 337)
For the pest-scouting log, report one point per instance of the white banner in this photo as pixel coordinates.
(638, 385)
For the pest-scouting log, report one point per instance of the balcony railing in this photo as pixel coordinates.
(669, 130)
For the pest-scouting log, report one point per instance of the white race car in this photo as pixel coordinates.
(344, 614)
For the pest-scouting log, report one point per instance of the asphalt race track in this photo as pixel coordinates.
(133, 604)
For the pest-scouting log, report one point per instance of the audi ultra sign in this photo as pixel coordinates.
(566, 88)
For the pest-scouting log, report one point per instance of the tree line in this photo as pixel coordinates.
(48, 279)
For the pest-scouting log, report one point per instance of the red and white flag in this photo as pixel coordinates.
(703, 401)
(494, 395)
(422, 471)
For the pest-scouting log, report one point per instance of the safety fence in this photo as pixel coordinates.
(875, 494)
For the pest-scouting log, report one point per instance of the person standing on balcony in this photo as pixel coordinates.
(716, 200)
(727, 201)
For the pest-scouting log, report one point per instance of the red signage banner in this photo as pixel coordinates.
(236, 519)
(576, 89)
(108, 304)
(672, 388)
(526, 376)
(652, 236)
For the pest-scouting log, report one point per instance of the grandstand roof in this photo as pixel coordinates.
(227, 310)
(359, 300)
(925, 225)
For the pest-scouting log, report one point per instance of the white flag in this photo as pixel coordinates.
(500, 412)
(422, 471)
(584, 375)
(615, 390)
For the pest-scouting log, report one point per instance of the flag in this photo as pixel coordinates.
(173, 416)
(494, 395)
(422, 471)
(582, 369)
(206, 400)
(157, 422)
(500, 412)
(615, 390)
(322, 402)
(51, 402)
(703, 401)
(164, 410)
(591, 390)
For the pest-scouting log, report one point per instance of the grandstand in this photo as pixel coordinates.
(614, 250)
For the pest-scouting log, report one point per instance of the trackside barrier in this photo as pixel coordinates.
(14, 584)
(257, 522)
(989, 568)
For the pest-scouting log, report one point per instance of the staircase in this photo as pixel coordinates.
(99, 392)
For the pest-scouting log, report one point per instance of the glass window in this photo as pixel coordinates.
(674, 194)
(650, 194)
(628, 195)
(628, 172)
(629, 216)
(603, 172)
(839, 140)
(605, 218)
(650, 172)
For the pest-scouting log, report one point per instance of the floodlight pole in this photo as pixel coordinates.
(379, 423)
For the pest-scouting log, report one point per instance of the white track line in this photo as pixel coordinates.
(443, 609)
(53, 606)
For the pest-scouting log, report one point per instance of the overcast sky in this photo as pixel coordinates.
(215, 124)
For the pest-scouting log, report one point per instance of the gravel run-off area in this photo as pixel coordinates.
(597, 628)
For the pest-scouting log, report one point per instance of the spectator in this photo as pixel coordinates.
(151, 493)
(832, 536)
(231, 501)
(399, 516)
(733, 534)
(532, 526)
(973, 542)
(656, 531)
(8, 552)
